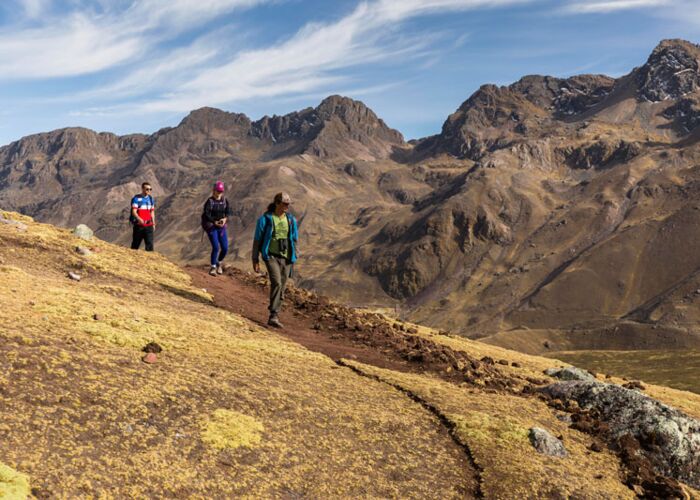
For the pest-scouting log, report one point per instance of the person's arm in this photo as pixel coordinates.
(207, 212)
(153, 216)
(134, 211)
(257, 241)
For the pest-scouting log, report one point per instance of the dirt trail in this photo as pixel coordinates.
(247, 296)
(342, 332)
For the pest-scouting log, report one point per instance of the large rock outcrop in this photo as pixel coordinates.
(671, 72)
(668, 438)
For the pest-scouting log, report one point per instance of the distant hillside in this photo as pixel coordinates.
(566, 206)
(231, 409)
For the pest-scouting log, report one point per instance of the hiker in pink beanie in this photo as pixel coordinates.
(214, 218)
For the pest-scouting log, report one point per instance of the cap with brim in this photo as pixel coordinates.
(283, 198)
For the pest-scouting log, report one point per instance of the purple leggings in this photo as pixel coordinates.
(219, 244)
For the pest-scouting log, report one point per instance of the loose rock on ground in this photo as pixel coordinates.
(546, 444)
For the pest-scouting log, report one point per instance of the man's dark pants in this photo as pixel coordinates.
(142, 234)
(278, 269)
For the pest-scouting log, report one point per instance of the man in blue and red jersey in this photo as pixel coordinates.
(143, 216)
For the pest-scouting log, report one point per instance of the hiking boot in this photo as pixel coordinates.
(219, 269)
(274, 321)
(212, 271)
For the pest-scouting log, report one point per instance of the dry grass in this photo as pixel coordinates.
(495, 428)
(231, 409)
(679, 369)
(82, 415)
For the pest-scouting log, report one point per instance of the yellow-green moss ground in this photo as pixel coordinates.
(13, 485)
(81, 415)
(495, 427)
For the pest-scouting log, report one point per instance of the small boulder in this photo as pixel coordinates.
(21, 226)
(150, 358)
(83, 251)
(569, 373)
(546, 444)
(73, 276)
(635, 385)
(84, 232)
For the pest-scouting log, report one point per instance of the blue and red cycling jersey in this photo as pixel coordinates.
(144, 206)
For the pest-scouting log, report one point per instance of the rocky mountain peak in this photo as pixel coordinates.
(203, 119)
(345, 108)
(323, 130)
(671, 72)
(62, 142)
(564, 96)
(357, 117)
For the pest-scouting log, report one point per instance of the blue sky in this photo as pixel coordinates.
(138, 65)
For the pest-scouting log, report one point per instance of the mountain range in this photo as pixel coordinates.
(549, 213)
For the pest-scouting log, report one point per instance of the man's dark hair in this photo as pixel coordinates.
(144, 184)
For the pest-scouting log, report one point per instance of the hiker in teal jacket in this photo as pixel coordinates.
(276, 238)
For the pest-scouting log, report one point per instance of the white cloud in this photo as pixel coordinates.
(183, 13)
(606, 6)
(102, 34)
(75, 47)
(34, 8)
(314, 56)
(94, 36)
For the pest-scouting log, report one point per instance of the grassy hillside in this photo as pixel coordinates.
(231, 409)
(672, 368)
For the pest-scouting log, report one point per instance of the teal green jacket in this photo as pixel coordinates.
(263, 237)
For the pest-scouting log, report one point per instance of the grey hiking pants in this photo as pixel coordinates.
(278, 269)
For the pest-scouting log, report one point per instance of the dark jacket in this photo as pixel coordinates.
(215, 210)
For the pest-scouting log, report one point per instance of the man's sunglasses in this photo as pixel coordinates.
(149, 189)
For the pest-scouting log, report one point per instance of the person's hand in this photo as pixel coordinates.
(256, 267)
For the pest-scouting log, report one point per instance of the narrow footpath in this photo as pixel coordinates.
(247, 295)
